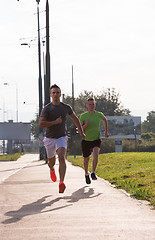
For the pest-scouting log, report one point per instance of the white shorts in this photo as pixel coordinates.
(52, 144)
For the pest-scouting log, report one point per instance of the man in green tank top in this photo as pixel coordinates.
(90, 121)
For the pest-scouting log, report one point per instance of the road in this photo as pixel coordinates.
(32, 208)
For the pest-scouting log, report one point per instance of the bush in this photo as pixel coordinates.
(128, 145)
(148, 136)
(138, 146)
(146, 147)
(107, 146)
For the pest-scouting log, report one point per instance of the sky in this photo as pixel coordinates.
(110, 43)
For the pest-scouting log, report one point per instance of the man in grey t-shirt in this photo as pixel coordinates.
(53, 118)
(51, 112)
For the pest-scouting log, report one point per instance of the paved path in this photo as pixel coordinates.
(32, 208)
(8, 168)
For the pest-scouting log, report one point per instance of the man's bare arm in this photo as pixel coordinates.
(77, 124)
(44, 124)
(105, 126)
(86, 124)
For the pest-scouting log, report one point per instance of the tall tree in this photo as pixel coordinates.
(149, 124)
(35, 127)
(109, 103)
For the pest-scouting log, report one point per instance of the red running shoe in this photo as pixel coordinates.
(61, 187)
(53, 175)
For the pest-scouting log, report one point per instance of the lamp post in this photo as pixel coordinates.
(41, 146)
(39, 61)
(47, 80)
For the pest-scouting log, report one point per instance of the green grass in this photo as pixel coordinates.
(10, 157)
(133, 172)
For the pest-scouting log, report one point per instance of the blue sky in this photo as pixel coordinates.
(110, 43)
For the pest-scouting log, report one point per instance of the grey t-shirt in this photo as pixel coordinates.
(51, 112)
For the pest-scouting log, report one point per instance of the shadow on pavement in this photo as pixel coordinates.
(82, 194)
(38, 206)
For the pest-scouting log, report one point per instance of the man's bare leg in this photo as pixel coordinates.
(95, 161)
(62, 162)
(95, 158)
(85, 163)
(51, 163)
(62, 168)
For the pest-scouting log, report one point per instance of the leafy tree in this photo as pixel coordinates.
(79, 102)
(148, 136)
(108, 102)
(35, 127)
(149, 124)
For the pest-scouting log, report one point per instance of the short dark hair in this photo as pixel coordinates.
(54, 86)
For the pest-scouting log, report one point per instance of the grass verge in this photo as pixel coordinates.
(10, 157)
(133, 172)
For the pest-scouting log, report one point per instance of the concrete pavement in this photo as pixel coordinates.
(32, 208)
(8, 168)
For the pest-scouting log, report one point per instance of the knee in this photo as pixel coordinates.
(86, 159)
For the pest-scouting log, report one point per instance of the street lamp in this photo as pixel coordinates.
(47, 82)
(41, 146)
(39, 60)
(7, 84)
(47, 77)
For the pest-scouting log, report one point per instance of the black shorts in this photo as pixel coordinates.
(87, 146)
